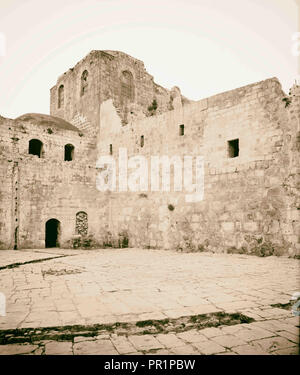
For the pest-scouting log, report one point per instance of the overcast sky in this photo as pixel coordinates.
(203, 46)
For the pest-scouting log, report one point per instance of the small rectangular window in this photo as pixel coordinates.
(110, 149)
(181, 129)
(233, 148)
(69, 152)
(142, 141)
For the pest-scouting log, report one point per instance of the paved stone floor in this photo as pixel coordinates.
(130, 285)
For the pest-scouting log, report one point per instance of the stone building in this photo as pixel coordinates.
(248, 138)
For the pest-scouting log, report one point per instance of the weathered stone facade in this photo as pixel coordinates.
(251, 201)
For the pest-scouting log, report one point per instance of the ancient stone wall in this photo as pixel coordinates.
(248, 206)
(248, 137)
(61, 193)
(81, 110)
(6, 201)
(35, 189)
(111, 75)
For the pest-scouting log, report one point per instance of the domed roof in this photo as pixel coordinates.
(46, 120)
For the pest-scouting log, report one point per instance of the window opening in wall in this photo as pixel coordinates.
(16, 238)
(84, 82)
(181, 129)
(110, 149)
(35, 147)
(61, 96)
(233, 148)
(69, 152)
(142, 141)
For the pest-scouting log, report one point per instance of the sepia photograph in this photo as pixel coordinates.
(149, 181)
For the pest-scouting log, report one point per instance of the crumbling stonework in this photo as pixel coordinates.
(108, 75)
(248, 137)
(250, 202)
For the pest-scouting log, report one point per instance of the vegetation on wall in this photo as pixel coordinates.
(153, 107)
(287, 101)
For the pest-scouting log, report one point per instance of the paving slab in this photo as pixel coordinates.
(96, 347)
(14, 349)
(185, 350)
(228, 341)
(209, 347)
(249, 350)
(145, 342)
(273, 343)
(192, 336)
(169, 340)
(60, 287)
(59, 348)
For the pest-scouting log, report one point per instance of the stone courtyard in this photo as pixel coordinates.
(94, 300)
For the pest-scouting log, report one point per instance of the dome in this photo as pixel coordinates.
(46, 120)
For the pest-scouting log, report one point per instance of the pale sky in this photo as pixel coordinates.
(203, 46)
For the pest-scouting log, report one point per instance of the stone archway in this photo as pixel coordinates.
(52, 233)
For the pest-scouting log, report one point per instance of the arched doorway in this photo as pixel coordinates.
(52, 233)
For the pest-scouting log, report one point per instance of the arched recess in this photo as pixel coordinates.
(84, 82)
(127, 87)
(61, 96)
(52, 233)
(35, 147)
(82, 223)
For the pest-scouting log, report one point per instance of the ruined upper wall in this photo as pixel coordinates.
(104, 75)
(208, 125)
(250, 201)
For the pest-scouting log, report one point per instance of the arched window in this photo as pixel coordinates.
(84, 82)
(127, 87)
(82, 223)
(61, 96)
(35, 147)
(69, 152)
